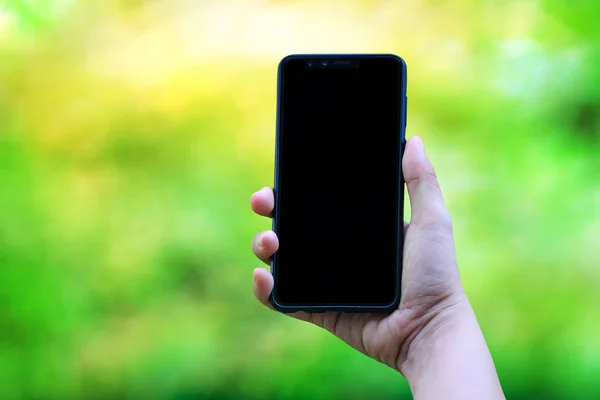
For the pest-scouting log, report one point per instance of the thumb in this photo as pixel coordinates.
(426, 202)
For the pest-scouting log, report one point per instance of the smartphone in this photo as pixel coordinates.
(338, 183)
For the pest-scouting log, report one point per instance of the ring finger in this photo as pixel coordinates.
(264, 245)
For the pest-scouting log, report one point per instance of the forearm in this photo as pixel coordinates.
(449, 359)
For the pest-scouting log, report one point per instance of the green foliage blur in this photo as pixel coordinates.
(132, 134)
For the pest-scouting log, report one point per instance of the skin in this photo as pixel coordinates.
(433, 338)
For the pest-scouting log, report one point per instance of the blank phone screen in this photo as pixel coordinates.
(338, 212)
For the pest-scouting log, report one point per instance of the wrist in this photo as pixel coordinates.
(434, 327)
(448, 357)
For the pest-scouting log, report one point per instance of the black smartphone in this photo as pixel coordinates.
(338, 183)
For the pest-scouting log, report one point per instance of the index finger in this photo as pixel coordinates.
(263, 201)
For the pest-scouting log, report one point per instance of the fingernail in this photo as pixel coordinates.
(419, 149)
(259, 240)
(419, 143)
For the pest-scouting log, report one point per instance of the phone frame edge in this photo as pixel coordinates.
(275, 224)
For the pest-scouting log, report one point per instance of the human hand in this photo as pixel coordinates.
(434, 331)
(430, 282)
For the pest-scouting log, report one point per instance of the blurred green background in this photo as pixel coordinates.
(132, 134)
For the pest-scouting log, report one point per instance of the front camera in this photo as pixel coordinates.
(324, 63)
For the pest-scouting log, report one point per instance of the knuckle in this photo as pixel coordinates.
(444, 221)
(256, 243)
(422, 174)
(436, 218)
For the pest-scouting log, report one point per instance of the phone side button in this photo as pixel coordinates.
(405, 111)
